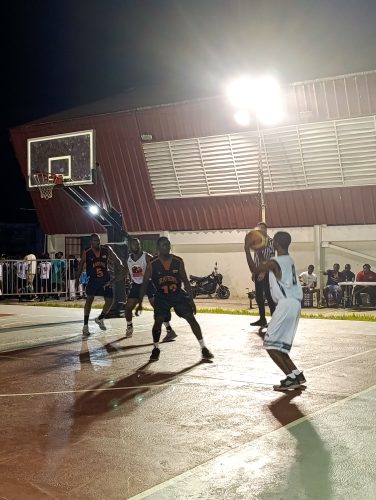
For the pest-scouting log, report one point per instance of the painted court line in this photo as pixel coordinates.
(170, 482)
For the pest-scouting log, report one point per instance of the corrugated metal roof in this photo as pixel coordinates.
(119, 151)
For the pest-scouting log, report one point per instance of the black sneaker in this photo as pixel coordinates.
(155, 354)
(287, 384)
(206, 354)
(301, 378)
(260, 322)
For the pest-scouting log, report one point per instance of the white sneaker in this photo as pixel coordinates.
(129, 332)
(100, 323)
(170, 336)
(85, 331)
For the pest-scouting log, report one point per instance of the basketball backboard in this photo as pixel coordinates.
(70, 155)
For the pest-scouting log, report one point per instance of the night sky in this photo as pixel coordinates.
(57, 54)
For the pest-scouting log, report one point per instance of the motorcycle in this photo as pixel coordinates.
(208, 285)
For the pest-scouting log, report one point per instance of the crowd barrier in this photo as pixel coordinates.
(41, 279)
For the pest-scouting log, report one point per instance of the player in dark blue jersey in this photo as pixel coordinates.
(167, 273)
(97, 259)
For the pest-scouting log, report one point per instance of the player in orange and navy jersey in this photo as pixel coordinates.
(97, 260)
(167, 272)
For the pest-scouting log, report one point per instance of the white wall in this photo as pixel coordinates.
(200, 250)
(56, 242)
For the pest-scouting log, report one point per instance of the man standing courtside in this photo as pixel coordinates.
(261, 278)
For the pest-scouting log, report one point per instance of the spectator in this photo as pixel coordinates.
(333, 292)
(308, 280)
(366, 276)
(72, 275)
(31, 271)
(21, 270)
(44, 269)
(348, 274)
(347, 289)
(58, 272)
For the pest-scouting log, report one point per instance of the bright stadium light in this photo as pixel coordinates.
(93, 209)
(242, 117)
(261, 96)
(260, 99)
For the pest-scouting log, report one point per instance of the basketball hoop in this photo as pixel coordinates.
(46, 183)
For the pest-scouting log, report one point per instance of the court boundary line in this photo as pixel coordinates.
(190, 472)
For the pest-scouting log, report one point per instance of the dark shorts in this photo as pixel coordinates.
(96, 287)
(134, 292)
(179, 301)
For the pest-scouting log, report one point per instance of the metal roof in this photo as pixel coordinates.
(119, 151)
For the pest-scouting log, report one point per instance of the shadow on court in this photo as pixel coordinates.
(311, 469)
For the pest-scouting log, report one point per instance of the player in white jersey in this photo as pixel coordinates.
(137, 263)
(287, 293)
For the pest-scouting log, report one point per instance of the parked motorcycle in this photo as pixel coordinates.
(209, 285)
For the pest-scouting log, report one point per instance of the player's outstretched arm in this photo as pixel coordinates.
(143, 289)
(250, 261)
(121, 271)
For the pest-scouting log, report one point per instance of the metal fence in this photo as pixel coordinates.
(41, 279)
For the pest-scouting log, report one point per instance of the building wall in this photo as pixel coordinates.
(200, 250)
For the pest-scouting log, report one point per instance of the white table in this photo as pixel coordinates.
(353, 284)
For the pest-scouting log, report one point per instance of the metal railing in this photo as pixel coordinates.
(41, 279)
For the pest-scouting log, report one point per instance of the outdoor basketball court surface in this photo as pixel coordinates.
(92, 419)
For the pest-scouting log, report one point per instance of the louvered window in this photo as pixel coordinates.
(327, 154)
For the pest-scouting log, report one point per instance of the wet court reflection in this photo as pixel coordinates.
(311, 463)
(111, 394)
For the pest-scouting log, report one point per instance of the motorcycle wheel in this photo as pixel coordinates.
(223, 292)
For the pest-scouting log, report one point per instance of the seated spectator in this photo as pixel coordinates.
(348, 274)
(347, 289)
(332, 292)
(308, 280)
(365, 276)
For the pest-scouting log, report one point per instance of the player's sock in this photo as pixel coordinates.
(86, 320)
(202, 343)
(296, 372)
(156, 345)
(167, 325)
(292, 375)
(101, 316)
(129, 323)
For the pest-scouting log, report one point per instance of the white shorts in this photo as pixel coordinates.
(283, 325)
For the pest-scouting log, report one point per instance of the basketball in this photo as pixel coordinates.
(257, 240)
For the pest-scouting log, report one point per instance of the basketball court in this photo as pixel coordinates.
(93, 419)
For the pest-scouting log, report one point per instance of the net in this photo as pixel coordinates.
(46, 183)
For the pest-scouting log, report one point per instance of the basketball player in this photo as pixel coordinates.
(137, 262)
(287, 293)
(98, 258)
(167, 273)
(261, 279)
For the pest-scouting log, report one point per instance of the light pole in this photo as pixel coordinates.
(257, 99)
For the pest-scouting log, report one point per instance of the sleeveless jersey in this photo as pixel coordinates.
(137, 268)
(165, 276)
(288, 287)
(97, 267)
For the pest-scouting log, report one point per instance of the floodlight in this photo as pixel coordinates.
(242, 117)
(262, 96)
(93, 209)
